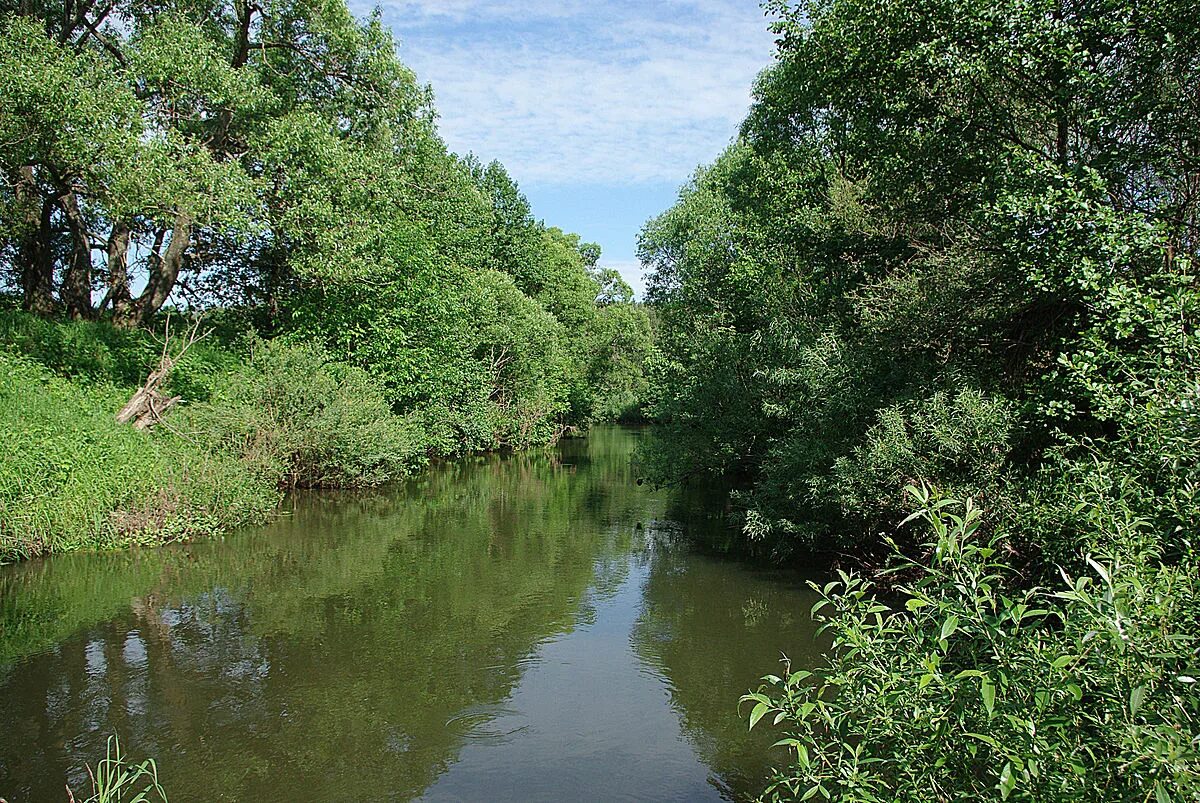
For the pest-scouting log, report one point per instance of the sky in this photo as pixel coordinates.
(599, 110)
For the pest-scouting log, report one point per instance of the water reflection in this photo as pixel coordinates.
(712, 629)
(528, 627)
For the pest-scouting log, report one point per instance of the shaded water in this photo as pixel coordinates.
(531, 627)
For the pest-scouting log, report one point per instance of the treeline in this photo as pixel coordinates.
(952, 256)
(277, 169)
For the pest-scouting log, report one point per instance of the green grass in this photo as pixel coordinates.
(72, 478)
(267, 416)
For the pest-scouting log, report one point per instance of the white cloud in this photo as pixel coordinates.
(428, 11)
(572, 92)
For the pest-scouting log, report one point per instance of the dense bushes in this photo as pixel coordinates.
(857, 252)
(858, 295)
(963, 440)
(255, 419)
(298, 419)
(969, 687)
(956, 244)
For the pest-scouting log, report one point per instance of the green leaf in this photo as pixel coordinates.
(1008, 781)
(1135, 700)
(948, 627)
(988, 740)
(988, 689)
(759, 711)
(1062, 661)
(1100, 570)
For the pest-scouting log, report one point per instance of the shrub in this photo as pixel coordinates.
(958, 442)
(95, 352)
(966, 689)
(300, 419)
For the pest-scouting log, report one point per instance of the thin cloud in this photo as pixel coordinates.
(570, 92)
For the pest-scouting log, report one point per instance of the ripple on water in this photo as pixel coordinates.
(479, 725)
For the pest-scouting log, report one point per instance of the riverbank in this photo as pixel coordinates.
(252, 418)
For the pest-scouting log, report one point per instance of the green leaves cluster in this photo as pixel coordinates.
(966, 686)
(956, 244)
(116, 779)
(297, 418)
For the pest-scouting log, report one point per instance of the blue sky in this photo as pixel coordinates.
(599, 110)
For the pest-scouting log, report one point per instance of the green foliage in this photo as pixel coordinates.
(963, 440)
(955, 244)
(73, 477)
(288, 415)
(116, 779)
(278, 167)
(938, 198)
(616, 348)
(100, 353)
(298, 418)
(95, 353)
(967, 687)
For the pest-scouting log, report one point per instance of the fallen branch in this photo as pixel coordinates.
(148, 404)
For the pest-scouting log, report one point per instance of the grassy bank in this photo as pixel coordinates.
(253, 421)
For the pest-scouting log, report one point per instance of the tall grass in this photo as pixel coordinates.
(253, 422)
(72, 477)
(118, 780)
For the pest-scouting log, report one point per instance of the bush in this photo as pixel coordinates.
(959, 443)
(94, 352)
(967, 688)
(98, 352)
(299, 419)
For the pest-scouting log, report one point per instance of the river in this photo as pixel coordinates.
(525, 627)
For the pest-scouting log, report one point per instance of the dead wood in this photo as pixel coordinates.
(148, 404)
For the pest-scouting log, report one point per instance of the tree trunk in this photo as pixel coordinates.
(76, 290)
(34, 256)
(164, 272)
(118, 268)
(147, 405)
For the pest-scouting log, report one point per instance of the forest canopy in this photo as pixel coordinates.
(275, 168)
(935, 313)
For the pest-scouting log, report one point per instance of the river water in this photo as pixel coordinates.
(528, 627)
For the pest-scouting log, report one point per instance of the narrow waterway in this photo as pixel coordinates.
(529, 627)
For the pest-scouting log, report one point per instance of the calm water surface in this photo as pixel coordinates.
(533, 627)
